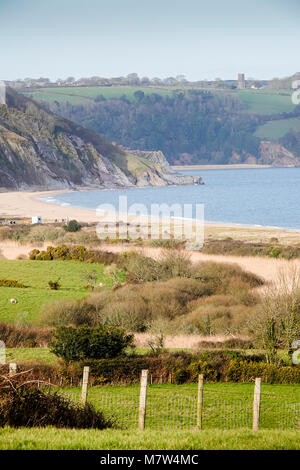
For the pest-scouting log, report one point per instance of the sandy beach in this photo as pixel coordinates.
(26, 205)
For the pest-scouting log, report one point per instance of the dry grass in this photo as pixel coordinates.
(141, 340)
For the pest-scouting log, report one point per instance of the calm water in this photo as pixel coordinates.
(267, 197)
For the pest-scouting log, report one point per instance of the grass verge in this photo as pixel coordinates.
(213, 439)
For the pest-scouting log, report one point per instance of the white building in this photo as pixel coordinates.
(36, 220)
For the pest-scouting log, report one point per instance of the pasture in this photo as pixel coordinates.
(266, 101)
(225, 405)
(212, 439)
(171, 420)
(257, 101)
(36, 275)
(273, 130)
(80, 95)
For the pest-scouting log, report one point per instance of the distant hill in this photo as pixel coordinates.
(189, 124)
(39, 150)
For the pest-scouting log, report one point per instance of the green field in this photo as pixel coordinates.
(273, 130)
(257, 101)
(35, 275)
(266, 101)
(30, 355)
(77, 95)
(71, 439)
(225, 405)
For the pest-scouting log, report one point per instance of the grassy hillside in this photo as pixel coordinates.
(266, 101)
(273, 130)
(85, 94)
(35, 275)
(257, 101)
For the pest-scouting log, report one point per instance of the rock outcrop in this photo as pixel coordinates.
(276, 155)
(40, 151)
(271, 154)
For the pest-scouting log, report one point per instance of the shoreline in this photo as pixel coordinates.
(26, 204)
(235, 166)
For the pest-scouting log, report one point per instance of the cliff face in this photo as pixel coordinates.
(271, 154)
(40, 151)
(276, 155)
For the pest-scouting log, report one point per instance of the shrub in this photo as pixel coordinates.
(76, 253)
(242, 248)
(72, 226)
(54, 285)
(69, 312)
(11, 283)
(231, 343)
(86, 342)
(170, 243)
(22, 337)
(30, 407)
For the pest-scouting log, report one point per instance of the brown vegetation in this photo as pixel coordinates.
(206, 298)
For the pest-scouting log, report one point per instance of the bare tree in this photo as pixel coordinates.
(277, 325)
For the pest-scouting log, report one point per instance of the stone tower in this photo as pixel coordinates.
(241, 81)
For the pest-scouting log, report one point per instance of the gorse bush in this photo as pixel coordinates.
(11, 283)
(76, 253)
(73, 344)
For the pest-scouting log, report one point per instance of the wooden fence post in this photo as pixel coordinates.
(200, 401)
(12, 369)
(256, 404)
(85, 381)
(143, 397)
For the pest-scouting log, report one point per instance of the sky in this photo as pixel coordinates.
(200, 39)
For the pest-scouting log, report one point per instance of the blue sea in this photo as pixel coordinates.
(262, 197)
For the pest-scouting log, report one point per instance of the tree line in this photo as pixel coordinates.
(192, 126)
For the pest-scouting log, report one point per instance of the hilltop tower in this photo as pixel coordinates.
(241, 81)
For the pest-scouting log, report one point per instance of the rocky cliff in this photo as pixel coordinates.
(276, 155)
(39, 150)
(270, 153)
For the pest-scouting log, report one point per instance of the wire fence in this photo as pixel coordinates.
(177, 406)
